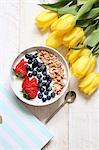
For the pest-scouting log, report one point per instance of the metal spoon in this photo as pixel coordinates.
(69, 98)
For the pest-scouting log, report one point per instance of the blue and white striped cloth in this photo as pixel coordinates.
(20, 129)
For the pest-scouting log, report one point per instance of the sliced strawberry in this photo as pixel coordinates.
(33, 81)
(25, 82)
(30, 88)
(20, 63)
(32, 94)
(20, 69)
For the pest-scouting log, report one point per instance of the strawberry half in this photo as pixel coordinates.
(30, 88)
(20, 69)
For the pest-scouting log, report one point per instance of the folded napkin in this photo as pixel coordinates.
(20, 130)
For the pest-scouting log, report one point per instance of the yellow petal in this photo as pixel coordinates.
(73, 38)
(46, 16)
(90, 83)
(92, 64)
(85, 52)
(53, 40)
(64, 24)
(45, 19)
(44, 26)
(88, 90)
(54, 25)
(72, 55)
(87, 80)
(80, 67)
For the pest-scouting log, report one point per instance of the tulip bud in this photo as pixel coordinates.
(72, 55)
(64, 24)
(83, 66)
(73, 38)
(45, 19)
(85, 52)
(53, 40)
(90, 83)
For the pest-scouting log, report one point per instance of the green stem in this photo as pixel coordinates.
(95, 49)
(85, 8)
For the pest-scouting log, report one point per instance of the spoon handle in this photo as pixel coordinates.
(53, 114)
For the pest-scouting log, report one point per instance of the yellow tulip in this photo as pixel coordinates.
(53, 40)
(45, 19)
(84, 52)
(73, 38)
(90, 83)
(63, 24)
(83, 66)
(72, 55)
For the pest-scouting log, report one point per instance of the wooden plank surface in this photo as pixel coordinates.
(18, 32)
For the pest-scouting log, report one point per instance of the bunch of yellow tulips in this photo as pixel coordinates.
(83, 63)
(63, 30)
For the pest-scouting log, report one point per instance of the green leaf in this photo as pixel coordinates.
(81, 2)
(25, 95)
(92, 14)
(93, 39)
(86, 7)
(66, 10)
(96, 49)
(84, 23)
(89, 30)
(48, 7)
(55, 5)
(96, 5)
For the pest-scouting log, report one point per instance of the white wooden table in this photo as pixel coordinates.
(75, 127)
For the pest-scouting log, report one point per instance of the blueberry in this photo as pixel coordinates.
(31, 69)
(39, 69)
(49, 88)
(48, 97)
(53, 94)
(42, 89)
(40, 95)
(43, 67)
(39, 81)
(27, 56)
(31, 56)
(44, 78)
(40, 85)
(48, 77)
(35, 55)
(35, 63)
(47, 84)
(44, 73)
(34, 73)
(44, 99)
(50, 80)
(46, 92)
(39, 64)
(39, 76)
(29, 61)
(27, 68)
(44, 83)
(30, 75)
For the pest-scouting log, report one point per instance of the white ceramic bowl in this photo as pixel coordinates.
(16, 83)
